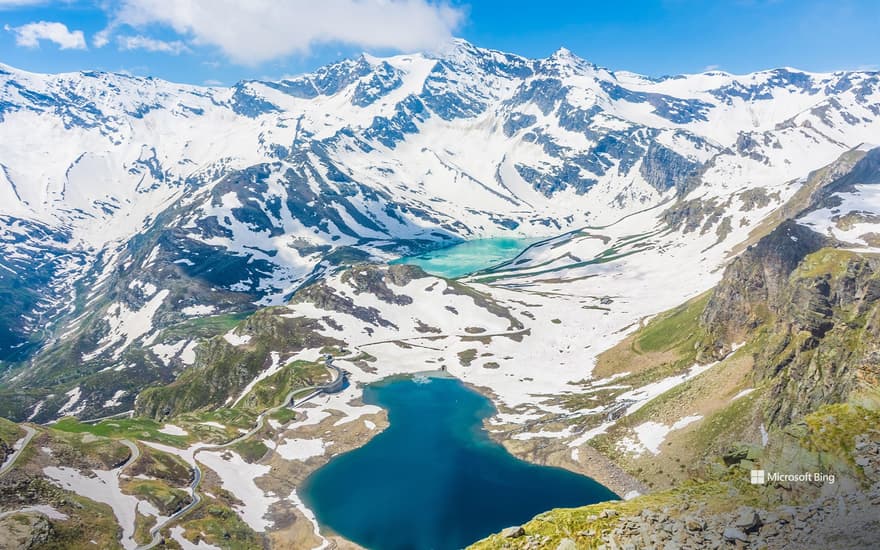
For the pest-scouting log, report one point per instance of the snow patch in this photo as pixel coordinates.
(73, 396)
(650, 435)
(298, 503)
(237, 339)
(237, 477)
(171, 429)
(213, 424)
(167, 352)
(301, 449)
(177, 534)
(44, 509)
(743, 393)
(642, 395)
(115, 400)
(199, 310)
(127, 325)
(104, 487)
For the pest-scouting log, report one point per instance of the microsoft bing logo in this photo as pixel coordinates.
(757, 477)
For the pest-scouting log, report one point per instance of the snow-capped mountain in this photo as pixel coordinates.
(130, 206)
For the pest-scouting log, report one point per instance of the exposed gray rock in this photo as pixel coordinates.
(732, 533)
(748, 520)
(513, 532)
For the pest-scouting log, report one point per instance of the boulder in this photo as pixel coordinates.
(748, 520)
(733, 534)
(513, 532)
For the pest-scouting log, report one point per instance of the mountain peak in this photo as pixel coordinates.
(562, 53)
(563, 62)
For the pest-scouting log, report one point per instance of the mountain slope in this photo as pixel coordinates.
(241, 195)
(190, 254)
(788, 339)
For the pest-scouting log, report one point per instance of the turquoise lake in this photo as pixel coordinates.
(465, 258)
(434, 480)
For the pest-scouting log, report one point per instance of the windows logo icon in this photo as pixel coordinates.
(757, 477)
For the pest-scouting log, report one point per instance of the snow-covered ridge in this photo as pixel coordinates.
(250, 190)
(117, 148)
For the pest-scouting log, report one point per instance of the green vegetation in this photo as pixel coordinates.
(84, 450)
(467, 357)
(283, 415)
(122, 428)
(828, 261)
(677, 329)
(217, 524)
(163, 466)
(587, 524)
(203, 327)
(223, 370)
(166, 499)
(666, 346)
(833, 429)
(10, 432)
(719, 486)
(89, 524)
(734, 418)
(234, 418)
(251, 450)
(142, 526)
(270, 391)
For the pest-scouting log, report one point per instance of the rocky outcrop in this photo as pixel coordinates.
(664, 169)
(223, 368)
(839, 519)
(25, 531)
(846, 523)
(695, 215)
(825, 344)
(813, 311)
(5, 451)
(753, 285)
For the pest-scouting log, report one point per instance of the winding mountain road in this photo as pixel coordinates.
(334, 385)
(19, 446)
(135, 454)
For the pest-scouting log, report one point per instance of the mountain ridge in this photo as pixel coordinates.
(199, 252)
(370, 157)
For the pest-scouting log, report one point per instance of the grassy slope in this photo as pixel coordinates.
(826, 437)
(706, 464)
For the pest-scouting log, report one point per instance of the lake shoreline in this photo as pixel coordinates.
(550, 452)
(518, 471)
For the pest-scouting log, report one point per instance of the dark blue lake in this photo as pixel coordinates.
(434, 480)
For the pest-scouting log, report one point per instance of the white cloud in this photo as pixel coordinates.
(19, 3)
(254, 31)
(101, 38)
(31, 34)
(151, 44)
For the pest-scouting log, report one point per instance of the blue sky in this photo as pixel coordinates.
(223, 41)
